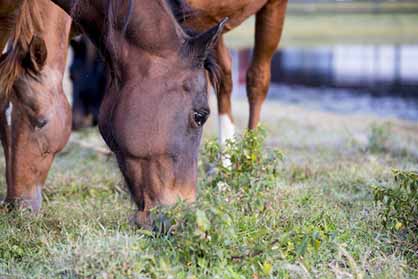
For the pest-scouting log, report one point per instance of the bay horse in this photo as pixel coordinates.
(270, 14)
(156, 100)
(35, 116)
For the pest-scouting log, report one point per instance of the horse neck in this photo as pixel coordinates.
(55, 33)
(8, 14)
(151, 29)
(158, 29)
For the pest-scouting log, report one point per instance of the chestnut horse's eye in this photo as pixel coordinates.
(199, 118)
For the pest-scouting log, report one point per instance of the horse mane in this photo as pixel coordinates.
(214, 70)
(111, 17)
(27, 23)
(181, 10)
(210, 64)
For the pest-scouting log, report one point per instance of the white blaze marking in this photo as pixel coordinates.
(67, 82)
(8, 114)
(226, 128)
(9, 109)
(5, 48)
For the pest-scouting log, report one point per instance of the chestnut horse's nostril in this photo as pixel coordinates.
(31, 201)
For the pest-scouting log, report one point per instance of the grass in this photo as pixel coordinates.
(353, 7)
(306, 211)
(323, 29)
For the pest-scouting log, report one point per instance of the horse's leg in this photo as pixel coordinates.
(268, 30)
(226, 124)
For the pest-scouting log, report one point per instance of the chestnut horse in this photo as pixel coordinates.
(156, 101)
(35, 118)
(270, 14)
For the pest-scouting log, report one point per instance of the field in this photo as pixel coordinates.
(345, 7)
(300, 206)
(304, 211)
(337, 28)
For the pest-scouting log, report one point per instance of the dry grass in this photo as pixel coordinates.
(323, 190)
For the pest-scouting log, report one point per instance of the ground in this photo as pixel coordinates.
(317, 215)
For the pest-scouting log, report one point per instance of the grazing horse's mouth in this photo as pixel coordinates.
(34, 203)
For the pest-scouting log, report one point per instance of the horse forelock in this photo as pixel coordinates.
(214, 70)
(181, 12)
(10, 70)
(210, 64)
(27, 23)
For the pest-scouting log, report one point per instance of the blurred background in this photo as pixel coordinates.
(356, 57)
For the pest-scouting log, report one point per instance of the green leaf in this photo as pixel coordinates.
(267, 268)
(301, 250)
(202, 221)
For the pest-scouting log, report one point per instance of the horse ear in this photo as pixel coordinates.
(35, 58)
(204, 42)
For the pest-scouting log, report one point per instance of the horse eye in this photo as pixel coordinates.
(200, 117)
